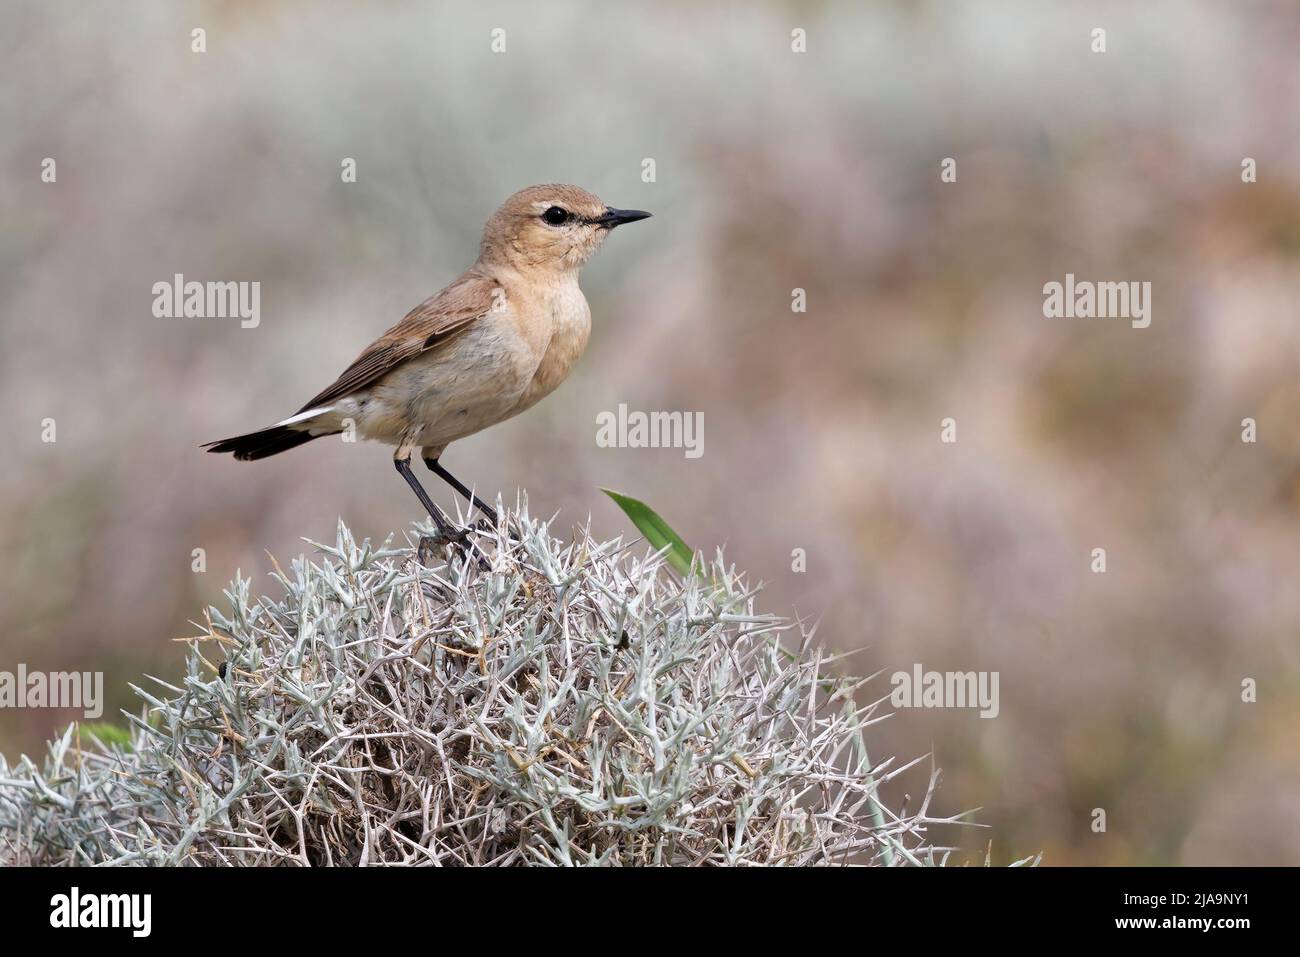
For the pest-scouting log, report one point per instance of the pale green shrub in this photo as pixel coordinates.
(569, 704)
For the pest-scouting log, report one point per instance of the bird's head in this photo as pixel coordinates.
(552, 227)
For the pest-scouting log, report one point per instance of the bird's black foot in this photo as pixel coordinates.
(488, 511)
(447, 533)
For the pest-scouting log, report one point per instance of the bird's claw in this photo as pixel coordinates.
(457, 538)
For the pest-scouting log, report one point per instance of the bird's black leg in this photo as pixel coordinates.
(455, 483)
(446, 530)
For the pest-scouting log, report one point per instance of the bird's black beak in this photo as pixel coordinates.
(617, 217)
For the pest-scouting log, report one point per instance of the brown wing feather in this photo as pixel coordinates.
(432, 323)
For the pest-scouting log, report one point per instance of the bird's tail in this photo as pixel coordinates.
(258, 445)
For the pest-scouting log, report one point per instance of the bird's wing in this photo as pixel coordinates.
(429, 325)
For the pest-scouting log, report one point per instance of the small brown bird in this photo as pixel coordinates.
(485, 348)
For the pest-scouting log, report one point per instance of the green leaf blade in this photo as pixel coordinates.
(656, 531)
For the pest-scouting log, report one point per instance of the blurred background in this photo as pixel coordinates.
(774, 170)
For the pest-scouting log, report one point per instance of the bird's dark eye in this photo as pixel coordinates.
(556, 216)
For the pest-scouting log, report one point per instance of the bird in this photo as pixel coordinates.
(486, 347)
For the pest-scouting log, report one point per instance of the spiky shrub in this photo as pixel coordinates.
(551, 703)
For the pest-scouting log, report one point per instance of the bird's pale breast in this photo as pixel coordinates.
(497, 368)
(570, 322)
